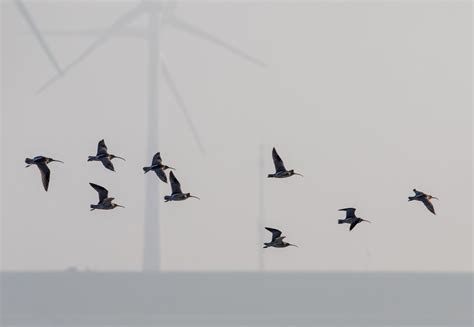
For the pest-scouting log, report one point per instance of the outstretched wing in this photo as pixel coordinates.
(156, 159)
(45, 172)
(161, 175)
(275, 233)
(175, 185)
(279, 166)
(107, 163)
(103, 193)
(354, 223)
(350, 212)
(429, 205)
(101, 147)
(418, 193)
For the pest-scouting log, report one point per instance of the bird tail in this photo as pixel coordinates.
(93, 206)
(90, 158)
(411, 198)
(271, 175)
(29, 161)
(146, 169)
(340, 221)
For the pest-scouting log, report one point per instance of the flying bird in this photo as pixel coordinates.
(280, 170)
(425, 198)
(41, 162)
(176, 193)
(277, 239)
(351, 218)
(105, 203)
(158, 167)
(103, 156)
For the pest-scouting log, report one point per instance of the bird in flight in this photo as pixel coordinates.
(103, 156)
(158, 167)
(277, 239)
(280, 170)
(425, 198)
(351, 218)
(42, 162)
(176, 193)
(105, 203)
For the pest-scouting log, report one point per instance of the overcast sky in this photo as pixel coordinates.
(366, 99)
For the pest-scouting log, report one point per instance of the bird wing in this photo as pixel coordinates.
(429, 205)
(175, 185)
(107, 163)
(107, 201)
(161, 175)
(45, 172)
(350, 212)
(418, 193)
(275, 233)
(279, 166)
(101, 147)
(279, 240)
(353, 224)
(156, 159)
(103, 193)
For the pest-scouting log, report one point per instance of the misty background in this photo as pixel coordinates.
(366, 99)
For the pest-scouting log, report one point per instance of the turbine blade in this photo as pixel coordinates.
(107, 33)
(198, 32)
(123, 32)
(34, 28)
(179, 99)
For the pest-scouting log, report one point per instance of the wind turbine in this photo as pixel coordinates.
(160, 14)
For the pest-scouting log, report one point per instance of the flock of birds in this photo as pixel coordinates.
(157, 166)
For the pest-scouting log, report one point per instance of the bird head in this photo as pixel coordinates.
(112, 156)
(188, 195)
(293, 173)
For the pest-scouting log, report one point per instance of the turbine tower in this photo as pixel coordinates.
(160, 14)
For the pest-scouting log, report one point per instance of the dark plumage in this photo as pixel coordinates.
(176, 193)
(41, 162)
(425, 198)
(280, 170)
(158, 167)
(105, 203)
(351, 218)
(277, 239)
(103, 156)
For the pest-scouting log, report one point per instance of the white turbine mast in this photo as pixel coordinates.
(160, 14)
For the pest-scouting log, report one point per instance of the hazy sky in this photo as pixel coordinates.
(366, 99)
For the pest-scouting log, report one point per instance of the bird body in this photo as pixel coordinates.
(158, 167)
(351, 218)
(105, 203)
(103, 156)
(280, 170)
(41, 162)
(176, 193)
(277, 239)
(425, 198)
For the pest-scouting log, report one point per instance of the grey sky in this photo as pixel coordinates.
(366, 99)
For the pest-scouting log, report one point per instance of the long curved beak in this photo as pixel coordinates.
(294, 245)
(434, 197)
(58, 161)
(192, 196)
(298, 174)
(118, 205)
(368, 221)
(119, 158)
